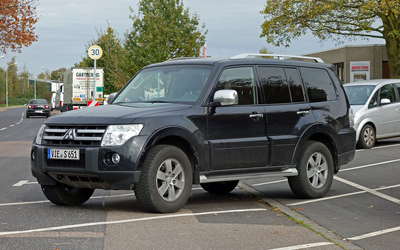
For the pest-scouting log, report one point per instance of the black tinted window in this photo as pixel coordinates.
(319, 85)
(281, 85)
(296, 87)
(241, 80)
(275, 86)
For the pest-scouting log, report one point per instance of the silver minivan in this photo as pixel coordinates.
(376, 108)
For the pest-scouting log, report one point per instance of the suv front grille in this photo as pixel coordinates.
(73, 135)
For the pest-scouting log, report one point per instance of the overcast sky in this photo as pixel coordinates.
(66, 26)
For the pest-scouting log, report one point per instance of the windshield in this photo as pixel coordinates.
(178, 83)
(358, 95)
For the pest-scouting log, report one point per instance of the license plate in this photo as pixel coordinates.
(38, 111)
(63, 154)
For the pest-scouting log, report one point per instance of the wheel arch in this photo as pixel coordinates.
(315, 134)
(361, 126)
(181, 138)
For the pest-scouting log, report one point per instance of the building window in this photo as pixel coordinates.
(339, 70)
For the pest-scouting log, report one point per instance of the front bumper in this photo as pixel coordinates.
(92, 170)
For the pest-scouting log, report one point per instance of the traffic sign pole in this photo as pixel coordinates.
(95, 52)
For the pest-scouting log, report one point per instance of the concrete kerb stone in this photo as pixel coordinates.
(9, 107)
(291, 213)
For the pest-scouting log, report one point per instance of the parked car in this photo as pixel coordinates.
(37, 107)
(202, 121)
(376, 107)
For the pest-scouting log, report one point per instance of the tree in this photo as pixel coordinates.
(162, 30)
(58, 74)
(264, 50)
(17, 19)
(113, 53)
(286, 20)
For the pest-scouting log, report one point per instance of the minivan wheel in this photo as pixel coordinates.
(166, 180)
(367, 137)
(315, 172)
(62, 194)
(222, 187)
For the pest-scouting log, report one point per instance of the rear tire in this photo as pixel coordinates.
(64, 195)
(27, 116)
(166, 180)
(367, 137)
(315, 172)
(222, 187)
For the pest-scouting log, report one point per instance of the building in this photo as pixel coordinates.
(357, 62)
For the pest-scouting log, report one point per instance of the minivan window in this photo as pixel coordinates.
(387, 92)
(319, 84)
(242, 80)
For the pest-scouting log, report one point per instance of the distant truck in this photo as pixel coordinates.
(78, 88)
(59, 98)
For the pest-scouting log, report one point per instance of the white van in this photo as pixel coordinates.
(53, 101)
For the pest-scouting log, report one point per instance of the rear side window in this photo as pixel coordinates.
(319, 85)
(242, 80)
(281, 85)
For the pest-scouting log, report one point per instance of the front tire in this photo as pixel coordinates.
(64, 195)
(222, 187)
(315, 172)
(367, 137)
(166, 180)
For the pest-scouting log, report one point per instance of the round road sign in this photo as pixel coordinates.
(95, 52)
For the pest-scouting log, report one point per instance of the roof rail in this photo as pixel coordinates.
(183, 58)
(280, 57)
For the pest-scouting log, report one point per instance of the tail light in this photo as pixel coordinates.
(30, 106)
(46, 106)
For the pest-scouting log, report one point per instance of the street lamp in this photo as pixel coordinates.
(7, 84)
(35, 79)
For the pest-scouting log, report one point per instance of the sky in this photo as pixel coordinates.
(66, 27)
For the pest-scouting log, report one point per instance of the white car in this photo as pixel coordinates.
(376, 107)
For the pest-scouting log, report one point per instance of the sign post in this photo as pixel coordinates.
(94, 52)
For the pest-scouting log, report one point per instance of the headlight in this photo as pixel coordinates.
(39, 135)
(116, 135)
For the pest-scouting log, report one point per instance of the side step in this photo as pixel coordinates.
(218, 178)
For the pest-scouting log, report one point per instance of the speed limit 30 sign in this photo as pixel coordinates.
(95, 52)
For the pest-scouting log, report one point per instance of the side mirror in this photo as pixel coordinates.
(111, 97)
(226, 97)
(385, 101)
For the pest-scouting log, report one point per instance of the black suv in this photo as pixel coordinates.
(202, 121)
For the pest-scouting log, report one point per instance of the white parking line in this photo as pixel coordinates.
(373, 234)
(129, 221)
(340, 196)
(371, 191)
(267, 183)
(370, 165)
(305, 246)
(376, 148)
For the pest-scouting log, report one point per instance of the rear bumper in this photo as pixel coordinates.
(347, 150)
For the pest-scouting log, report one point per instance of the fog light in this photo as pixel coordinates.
(115, 158)
(33, 155)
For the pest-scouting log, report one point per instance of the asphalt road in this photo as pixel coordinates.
(360, 212)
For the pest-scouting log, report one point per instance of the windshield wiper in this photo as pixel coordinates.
(156, 101)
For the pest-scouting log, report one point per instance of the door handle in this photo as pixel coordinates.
(302, 112)
(256, 115)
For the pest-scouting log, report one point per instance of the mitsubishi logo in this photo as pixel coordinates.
(70, 134)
